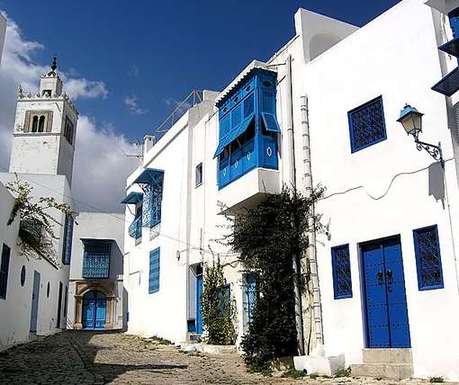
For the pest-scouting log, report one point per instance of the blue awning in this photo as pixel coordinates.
(270, 122)
(449, 84)
(133, 198)
(234, 134)
(150, 176)
(451, 47)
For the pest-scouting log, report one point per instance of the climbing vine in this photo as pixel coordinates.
(218, 308)
(267, 237)
(36, 224)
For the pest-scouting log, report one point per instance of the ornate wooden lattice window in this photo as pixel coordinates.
(367, 124)
(153, 282)
(428, 258)
(341, 266)
(96, 259)
(67, 240)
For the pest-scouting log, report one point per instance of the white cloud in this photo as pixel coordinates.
(100, 166)
(133, 105)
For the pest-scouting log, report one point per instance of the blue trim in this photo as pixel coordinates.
(341, 251)
(270, 122)
(419, 253)
(154, 272)
(149, 176)
(355, 146)
(234, 134)
(133, 198)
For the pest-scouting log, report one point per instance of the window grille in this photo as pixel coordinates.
(428, 258)
(96, 259)
(367, 124)
(341, 266)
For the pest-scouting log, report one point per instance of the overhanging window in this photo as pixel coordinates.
(367, 125)
(341, 266)
(428, 258)
(135, 228)
(96, 258)
(151, 181)
(248, 127)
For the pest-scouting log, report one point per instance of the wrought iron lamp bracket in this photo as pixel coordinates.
(433, 150)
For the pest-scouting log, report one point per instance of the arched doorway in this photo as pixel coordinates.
(94, 306)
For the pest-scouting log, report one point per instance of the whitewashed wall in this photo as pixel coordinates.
(389, 188)
(15, 311)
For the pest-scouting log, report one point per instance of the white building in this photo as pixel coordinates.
(323, 109)
(34, 292)
(96, 273)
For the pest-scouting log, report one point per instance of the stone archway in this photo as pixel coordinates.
(83, 287)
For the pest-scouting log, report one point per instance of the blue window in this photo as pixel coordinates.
(428, 258)
(4, 268)
(135, 228)
(96, 259)
(341, 265)
(248, 127)
(367, 125)
(67, 243)
(153, 282)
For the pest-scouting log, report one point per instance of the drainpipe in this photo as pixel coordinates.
(314, 300)
(292, 183)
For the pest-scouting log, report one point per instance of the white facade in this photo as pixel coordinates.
(386, 189)
(97, 227)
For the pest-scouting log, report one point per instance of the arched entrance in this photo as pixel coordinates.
(94, 309)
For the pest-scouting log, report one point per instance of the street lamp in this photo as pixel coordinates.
(411, 120)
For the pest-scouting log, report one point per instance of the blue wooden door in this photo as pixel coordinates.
(199, 287)
(35, 299)
(385, 298)
(94, 310)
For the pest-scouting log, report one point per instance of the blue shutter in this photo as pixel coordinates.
(428, 258)
(96, 259)
(68, 237)
(153, 284)
(4, 268)
(341, 265)
(367, 124)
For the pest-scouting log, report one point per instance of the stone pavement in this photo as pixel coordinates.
(80, 358)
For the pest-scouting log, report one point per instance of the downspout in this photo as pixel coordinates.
(292, 184)
(314, 300)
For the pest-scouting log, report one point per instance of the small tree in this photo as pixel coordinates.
(36, 226)
(217, 304)
(267, 237)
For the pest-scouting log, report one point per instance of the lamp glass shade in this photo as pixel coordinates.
(411, 120)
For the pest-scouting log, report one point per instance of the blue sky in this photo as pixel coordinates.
(157, 52)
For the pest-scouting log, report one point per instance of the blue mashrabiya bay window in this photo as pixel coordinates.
(151, 181)
(96, 258)
(341, 266)
(248, 127)
(135, 228)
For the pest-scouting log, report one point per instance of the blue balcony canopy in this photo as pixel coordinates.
(150, 176)
(449, 84)
(234, 134)
(451, 47)
(133, 198)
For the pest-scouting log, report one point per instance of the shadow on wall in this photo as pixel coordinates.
(437, 182)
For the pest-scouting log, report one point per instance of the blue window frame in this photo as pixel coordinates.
(67, 242)
(153, 282)
(341, 266)
(428, 258)
(96, 259)
(250, 297)
(152, 181)
(367, 124)
(248, 127)
(4, 269)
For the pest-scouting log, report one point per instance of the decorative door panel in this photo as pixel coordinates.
(100, 313)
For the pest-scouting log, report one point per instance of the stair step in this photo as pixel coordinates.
(387, 356)
(390, 371)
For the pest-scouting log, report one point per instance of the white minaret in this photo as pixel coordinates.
(44, 130)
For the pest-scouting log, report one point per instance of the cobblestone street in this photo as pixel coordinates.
(90, 358)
